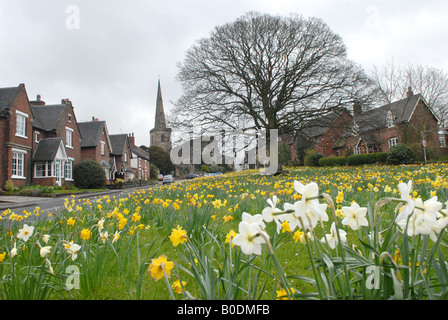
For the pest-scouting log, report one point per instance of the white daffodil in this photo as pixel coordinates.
(406, 210)
(103, 236)
(44, 251)
(440, 224)
(272, 213)
(116, 237)
(355, 216)
(249, 238)
(25, 233)
(332, 238)
(424, 217)
(100, 225)
(72, 249)
(46, 238)
(13, 252)
(309, 203)
(256, 218)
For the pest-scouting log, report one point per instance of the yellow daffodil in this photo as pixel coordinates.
(160, 266)
(178, 236)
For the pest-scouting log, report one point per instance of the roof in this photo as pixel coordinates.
(91, 133)
(47, 117)
(140, 152)
(319, 126)
(118, 143)
(377, 118)
(47, 149)
(7, 97)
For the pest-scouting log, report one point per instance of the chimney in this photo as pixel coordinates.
(38, 101)
(94, 119)
(132, 140)
(357, 110)
(409, 93)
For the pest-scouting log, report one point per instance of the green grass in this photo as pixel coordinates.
(194, 206)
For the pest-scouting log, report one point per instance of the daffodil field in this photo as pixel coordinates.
(369, 232)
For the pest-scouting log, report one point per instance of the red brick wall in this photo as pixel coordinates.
(9, 140)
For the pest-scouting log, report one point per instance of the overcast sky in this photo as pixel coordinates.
(107, 55)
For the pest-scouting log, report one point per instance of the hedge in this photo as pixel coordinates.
(333, 161)
(367, 158)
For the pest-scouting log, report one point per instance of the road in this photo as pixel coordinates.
(54, 205)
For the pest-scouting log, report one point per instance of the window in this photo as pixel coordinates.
(125, 156)
(21, 124)
(40, 169)
(393, 142)
(18, 164)
(69, 117)
(102, 147)
(390, 120)
(69, 137)
(442, 142)
(69, 169)
(36, 136)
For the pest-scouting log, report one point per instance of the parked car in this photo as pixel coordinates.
(191, 176)
(160, 177)
(168, 179)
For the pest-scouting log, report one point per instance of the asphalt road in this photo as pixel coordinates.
(56, 204)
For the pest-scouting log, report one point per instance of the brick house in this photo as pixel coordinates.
(406, 121)
(325, 132)
(96, 144)
(140, 164)
(16, 135)
(121, 156)
(53, 162)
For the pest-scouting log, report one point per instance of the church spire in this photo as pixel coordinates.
(160, 122)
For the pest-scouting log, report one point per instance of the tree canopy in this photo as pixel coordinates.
(265, 72)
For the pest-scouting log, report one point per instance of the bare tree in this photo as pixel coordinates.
(266, 72)
(393, 81)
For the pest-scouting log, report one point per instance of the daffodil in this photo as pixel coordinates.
(249, 238)
(355, 216)
(177, 286)
(160, 266)
(178, 236)
(256, 218)
(230, 236)
(86, 234)
(13, 251)
(25, 233)
(332, 237)
(44, 251)
(2, 256)
(424, 217)
(406, 210)
(72, 249)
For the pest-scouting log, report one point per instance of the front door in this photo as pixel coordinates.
(58, 171)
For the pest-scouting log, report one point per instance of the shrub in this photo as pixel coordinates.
(312, 159)
(367, 158)
(333, 161)
(89, 175)
(9, 185)
(401, 154)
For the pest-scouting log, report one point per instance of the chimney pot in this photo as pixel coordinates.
(410, 93)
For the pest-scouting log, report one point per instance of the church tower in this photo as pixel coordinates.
(160, 135)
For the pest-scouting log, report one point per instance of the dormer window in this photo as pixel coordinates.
(390, 120)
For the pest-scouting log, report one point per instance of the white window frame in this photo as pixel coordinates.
(392, 142)
(21, 124)
(45, 170)
(69, 137)
(103, 148)
(68, 172)
(36, 136)
(18, 154)
(125, 156)
(442, 142)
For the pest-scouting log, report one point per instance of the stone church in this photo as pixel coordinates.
(160, 135)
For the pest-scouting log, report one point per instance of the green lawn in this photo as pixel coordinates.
(208, 209)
